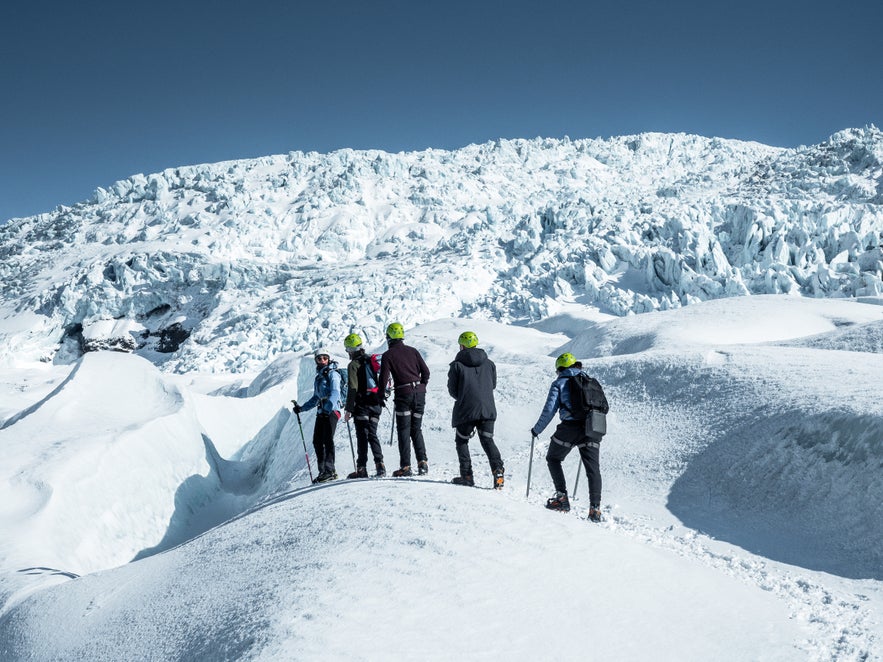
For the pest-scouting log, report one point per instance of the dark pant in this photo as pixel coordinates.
(409, 424)
(323, 442)
(567, 435)
(366, 419)
(485, 436)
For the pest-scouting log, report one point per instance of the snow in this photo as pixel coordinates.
(259, 257)
(726, 536)
(155, 501)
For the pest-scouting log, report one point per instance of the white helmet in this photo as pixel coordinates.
(321, 352)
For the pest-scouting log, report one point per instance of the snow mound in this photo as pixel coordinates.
(298, 578)
(89, 470)
(867, 337)
(744, 320)
(800, 486)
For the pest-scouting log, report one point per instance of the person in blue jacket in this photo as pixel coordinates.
(570, 433)
(326, 396)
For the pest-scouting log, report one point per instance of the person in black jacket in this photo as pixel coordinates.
(409, 374)
(363, 404)
(472, 379)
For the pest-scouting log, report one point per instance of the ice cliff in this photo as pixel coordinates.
(224, 266)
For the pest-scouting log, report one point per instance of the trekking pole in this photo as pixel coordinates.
(303, 439)
(530, 465)
(576, 482)
(392, 429)
(350, 432)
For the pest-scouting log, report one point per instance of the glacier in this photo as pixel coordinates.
(221, 267)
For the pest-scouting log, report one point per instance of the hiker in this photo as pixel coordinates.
(363, 405)
(472, 379)
(326, 395)
(573, 431)
(410, 375)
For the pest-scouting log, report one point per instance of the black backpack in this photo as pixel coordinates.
(586, 396)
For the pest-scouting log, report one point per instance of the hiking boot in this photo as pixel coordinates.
(559, 502)
(498, 479)
(465, 479)
(325, 476)
(422, 468)
(381, 470)
(404, 471)
(595, 514)
(360, 472)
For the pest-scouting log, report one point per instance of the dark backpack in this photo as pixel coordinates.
(586, 396)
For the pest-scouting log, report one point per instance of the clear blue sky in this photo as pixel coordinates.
(97, 91)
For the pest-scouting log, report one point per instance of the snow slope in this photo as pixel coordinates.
(742, 492)
(404, 570)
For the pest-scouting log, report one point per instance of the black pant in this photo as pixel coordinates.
(323, 442)
(366, 420)
(409, 425)
(567, 435)
(485, 436)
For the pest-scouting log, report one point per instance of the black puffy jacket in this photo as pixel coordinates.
(472, 379)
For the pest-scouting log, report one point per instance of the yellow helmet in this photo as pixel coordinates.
(468, 339)
(565, 361)
(352, 341)
(395, 330)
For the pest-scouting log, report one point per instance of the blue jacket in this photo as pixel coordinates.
(558, 399)
(326, 390)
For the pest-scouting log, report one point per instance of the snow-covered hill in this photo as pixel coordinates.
(742, 490)
(224, 266)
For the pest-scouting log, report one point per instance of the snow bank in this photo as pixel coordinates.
(729, 456)
(402, 569)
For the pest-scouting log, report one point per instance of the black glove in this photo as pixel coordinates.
(297, 408)
(533, 434)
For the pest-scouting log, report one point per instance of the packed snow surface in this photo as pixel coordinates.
(149, 515)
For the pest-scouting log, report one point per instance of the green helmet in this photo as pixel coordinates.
(395, 330)
(468, 339)
(352, 341)
(565, 361)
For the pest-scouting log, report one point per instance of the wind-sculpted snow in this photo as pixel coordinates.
(741, 481)
(224, 266)
(307, 577)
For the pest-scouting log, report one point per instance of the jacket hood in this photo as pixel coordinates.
(471, 357)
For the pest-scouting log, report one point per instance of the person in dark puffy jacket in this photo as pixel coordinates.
(472, 378)
(410, 375)
(326, 396)
(570, 433)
